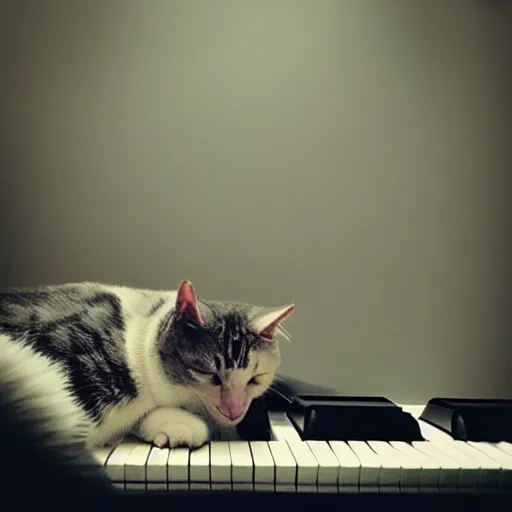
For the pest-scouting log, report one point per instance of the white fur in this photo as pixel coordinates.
(155, 389)
(40, 389)
(174, 426)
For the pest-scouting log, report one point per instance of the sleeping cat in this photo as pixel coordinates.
(81, 365)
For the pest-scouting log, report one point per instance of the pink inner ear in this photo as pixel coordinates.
(186, 302)
(269, 331)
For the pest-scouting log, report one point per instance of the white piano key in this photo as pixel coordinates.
(396, 466)
(489, 471)
(490, 448)
(199, 468)
(469, 468)
(504, 459)
(264, 467)
(504, 446)
(282, 428)
(100, 457)
(220, 466)
(350, 467)
(390, 468)
(116, 461)
(286, 467)
(241, 466)
(449, 475)
(135, 467)
(369, 476)
(328, 466)
(156, 486)
(101, 454)
(429, 432)
(177, 469)
(414, 410)
(156, 469)
(307, 466)
(430, 469)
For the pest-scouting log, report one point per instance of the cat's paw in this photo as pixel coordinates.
(166, 426)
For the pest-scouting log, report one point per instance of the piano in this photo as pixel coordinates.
(314, 445)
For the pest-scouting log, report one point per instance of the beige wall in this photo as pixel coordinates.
(350, 155)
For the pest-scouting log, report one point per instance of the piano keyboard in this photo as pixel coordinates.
(439, 464)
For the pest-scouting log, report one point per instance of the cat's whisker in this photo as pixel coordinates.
(284, 333)
(283, 329)
(278, 379)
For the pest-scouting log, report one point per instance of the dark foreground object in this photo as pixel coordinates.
(269, 501)
(314, 502)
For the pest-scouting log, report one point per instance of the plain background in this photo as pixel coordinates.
(352, 156)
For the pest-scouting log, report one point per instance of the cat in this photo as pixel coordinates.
(84, 364)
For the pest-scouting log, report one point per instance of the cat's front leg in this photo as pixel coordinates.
(174, 427)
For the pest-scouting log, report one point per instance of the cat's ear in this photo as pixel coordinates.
(186, 304)
(267, 322)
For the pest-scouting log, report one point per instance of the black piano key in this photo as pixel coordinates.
(284, 389)
(468, 419)
(342, 418)
(256, 425)
(291, 387)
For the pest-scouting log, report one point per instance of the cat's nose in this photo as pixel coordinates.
(234, 412)
(233, 403)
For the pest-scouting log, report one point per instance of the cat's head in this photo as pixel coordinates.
(226, 351)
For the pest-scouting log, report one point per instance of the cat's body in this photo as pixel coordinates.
(89, 363)
(94, 333)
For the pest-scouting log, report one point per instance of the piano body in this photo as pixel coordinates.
(313, 445)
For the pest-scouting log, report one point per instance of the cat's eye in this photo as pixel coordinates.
(215, 380)
(254, 381)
